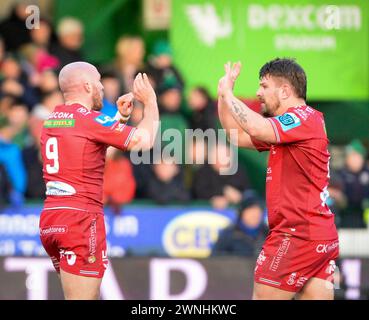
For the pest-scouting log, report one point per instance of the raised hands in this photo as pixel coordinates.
(142, 92)
(146, 131)
(226, 83)
(142, 89)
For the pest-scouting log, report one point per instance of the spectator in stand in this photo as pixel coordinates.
(13, 29)
(246, 236)
(167, 182)
(142, 172)
(221, 189)
(337, 199)
(6, 102)
(170, 101)
(196, 157)
(48, 82)
(130, 53)
(4, 182)
(44, 35)
(112, 90)
(119, 182)
(42, 38)
(2, 50)
(355, 178)
(16, 126)
(12, 137)
(203, 111)
(10, 68)
(160, 67)
(13, 82)
(70, 34)
(35, 187)
(42, 111)
(35, 60)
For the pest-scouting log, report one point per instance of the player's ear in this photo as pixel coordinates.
(87, 86)
(285, 91)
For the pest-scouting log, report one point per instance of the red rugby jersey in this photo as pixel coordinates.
(298, 175)
(73, 146)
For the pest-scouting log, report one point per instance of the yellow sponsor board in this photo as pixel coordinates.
(193, 234)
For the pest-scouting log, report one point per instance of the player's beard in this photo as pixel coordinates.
(264, 110)
(96, 100)
(269, 110)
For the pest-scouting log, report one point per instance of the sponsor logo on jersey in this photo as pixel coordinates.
(288, 121)
(84, 111)
(331, 267)
(53, 230)
(91, 259)
(325, 248)
(310, 110)
(302, 113)
(282, 251)
(261, 258)
(105, 120)
(92, 238)
(301, 281)
(58, 188)
(70, 255)
(61, 115)
(59, 123)
(292, 279)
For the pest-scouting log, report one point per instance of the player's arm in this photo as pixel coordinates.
(144, 136)
(228, 123)
(254, 124)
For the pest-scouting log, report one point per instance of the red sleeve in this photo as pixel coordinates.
(291, 127)
(260, 145)
(106, 130)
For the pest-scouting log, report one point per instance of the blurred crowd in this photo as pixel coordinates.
(30, 60)
(29, 66)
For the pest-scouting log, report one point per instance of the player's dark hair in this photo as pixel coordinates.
(289, 70)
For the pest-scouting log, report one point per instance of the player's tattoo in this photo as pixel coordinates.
(239, 112)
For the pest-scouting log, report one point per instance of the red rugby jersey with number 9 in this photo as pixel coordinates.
(73, 146)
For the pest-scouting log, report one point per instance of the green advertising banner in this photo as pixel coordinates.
(330, 41)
